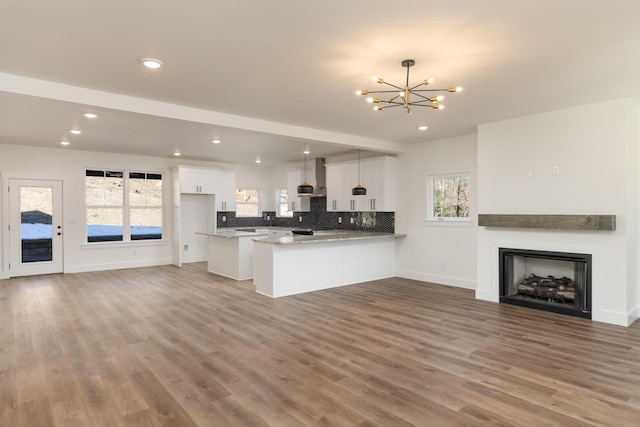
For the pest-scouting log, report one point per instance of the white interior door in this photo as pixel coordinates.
(35, 227)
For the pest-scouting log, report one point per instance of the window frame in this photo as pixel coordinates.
(126, 208)
(431, 219)
(279, 203)
(240, 203)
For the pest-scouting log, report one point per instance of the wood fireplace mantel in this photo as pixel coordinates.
(562, 222)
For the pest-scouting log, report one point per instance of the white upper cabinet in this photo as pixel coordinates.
(196, 180)
(335, 187)
(350, 178)
(222, 183)
(377, 175)
(297, 204)
(341, 178)
(225, 190)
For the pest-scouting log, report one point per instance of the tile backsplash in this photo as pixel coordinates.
(318, 217)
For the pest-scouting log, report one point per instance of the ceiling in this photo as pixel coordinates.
(269, 77)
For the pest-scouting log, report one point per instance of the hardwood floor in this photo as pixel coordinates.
(165, 346)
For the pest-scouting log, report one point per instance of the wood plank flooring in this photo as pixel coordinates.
(167, 346)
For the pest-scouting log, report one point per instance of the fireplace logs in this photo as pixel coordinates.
(548, 288)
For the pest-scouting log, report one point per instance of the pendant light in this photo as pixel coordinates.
(305, 189)
(359, 190)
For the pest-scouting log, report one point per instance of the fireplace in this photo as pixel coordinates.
(554, 281)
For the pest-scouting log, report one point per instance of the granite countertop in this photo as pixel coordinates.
(327, 236)
(233, 233)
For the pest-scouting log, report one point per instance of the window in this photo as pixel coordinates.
(123, 206)
(145, 206)
(283, 203)
(247, 202)
(449, 197)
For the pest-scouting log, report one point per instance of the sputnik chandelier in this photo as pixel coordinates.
(406, 96)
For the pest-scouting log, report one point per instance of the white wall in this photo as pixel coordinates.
(435, 253)
(596, 153)
(68, 166)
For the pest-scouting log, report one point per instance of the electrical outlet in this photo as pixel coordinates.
(555, 170)
(352, 220)
(224, 218)
(339, 220)
(186, 247)
(300, 218)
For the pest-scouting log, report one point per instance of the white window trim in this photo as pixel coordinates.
(258, 203)
(278, 203)
(126, 229)
(431, 220)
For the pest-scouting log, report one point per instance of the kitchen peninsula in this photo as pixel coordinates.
(297, 264)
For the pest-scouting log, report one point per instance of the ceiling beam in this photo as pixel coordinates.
(95, 98)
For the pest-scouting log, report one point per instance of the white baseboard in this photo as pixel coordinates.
(195, 258)
(115, 266)
(485, 295)
(615, 318)
(434, 278)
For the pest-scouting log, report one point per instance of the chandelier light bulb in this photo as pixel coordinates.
(428, 81)
(377, 80)
(455, 89)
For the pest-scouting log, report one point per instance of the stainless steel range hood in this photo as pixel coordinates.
(320, 190)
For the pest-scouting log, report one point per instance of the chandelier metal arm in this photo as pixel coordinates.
(430, 90)
(382, 91)
(392, 85)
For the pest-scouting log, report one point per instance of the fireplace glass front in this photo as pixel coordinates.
(552, 281)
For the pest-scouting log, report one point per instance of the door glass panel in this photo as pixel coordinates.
(36, 232)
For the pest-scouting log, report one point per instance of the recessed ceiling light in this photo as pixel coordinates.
(258, 160)
(177, 153)
(65, 143)
(216, 141)
(75, 131)
(90, 115)
(152, 63)
(423, 127)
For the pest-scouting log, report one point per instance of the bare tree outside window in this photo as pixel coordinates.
(449, 196)
(247, 202)
(283, 203)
